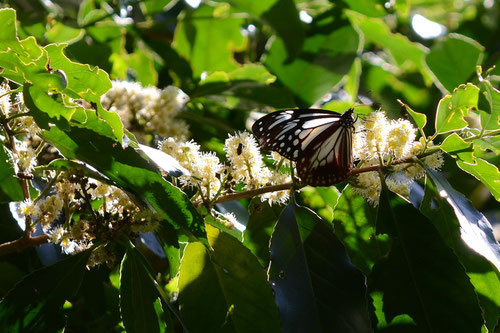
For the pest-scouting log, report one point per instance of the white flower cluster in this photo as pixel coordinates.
(117, 213)
(210, 176)
(378, 139)
(148, 109)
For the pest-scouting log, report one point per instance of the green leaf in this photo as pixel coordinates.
(316, 287)
(35, 304)
(137, 294)
(322, 200)
(230, 282)
(61, 33)
(86, 82)
(260, 226)
(483, 274)
(452, 108)
(406, 54)
(207, 38)
(475, 229)
(282, 16)
(458, 148)
(93, 144)
(485, 172)
(420, 119)
(323, 63)
(489, 105)
(10, 188)
(490, 143)
(453, 60)
(354, 222)
(250, 82)
(367, 7)
(421, 277)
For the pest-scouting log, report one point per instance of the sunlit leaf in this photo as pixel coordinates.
(453, 60)
(475, 229)
(485, 172)
(452, 108)
(456, 146)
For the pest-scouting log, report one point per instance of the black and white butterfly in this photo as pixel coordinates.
(320, 141)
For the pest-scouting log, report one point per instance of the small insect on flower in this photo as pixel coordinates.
(320, 141)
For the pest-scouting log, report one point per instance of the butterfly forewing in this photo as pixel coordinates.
(320, 141)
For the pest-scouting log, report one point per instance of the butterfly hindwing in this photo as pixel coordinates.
(320, 141)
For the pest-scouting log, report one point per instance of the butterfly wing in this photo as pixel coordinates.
(320, 141)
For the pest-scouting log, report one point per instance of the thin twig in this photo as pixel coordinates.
(22, 243)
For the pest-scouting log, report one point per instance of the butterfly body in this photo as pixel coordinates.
(319, 141)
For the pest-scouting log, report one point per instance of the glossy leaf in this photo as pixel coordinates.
(457, 147)
(453, 60)
(354, 221)
(137, 294)
(315, 285)
(230, 282)
(475, 229)
(483, 274)
(452, 108)
(421, 277)
(35, 304)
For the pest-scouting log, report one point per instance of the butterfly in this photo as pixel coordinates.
(319, 141)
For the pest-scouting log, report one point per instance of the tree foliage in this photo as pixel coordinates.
(173, 239)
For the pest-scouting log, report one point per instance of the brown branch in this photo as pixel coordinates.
(253, 193)
(287, 186)
(22, 243)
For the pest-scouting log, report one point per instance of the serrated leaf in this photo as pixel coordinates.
(453, 60)
(421, 277)
(475, 229)
(354, 222)
(489, 105)
(452, 108)
(230, 282)
(137, 294)
(457, 147)
(420, 119)
(483, 274)
(94, 144)
(35, 303)
(316, 287)
(485, 172)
